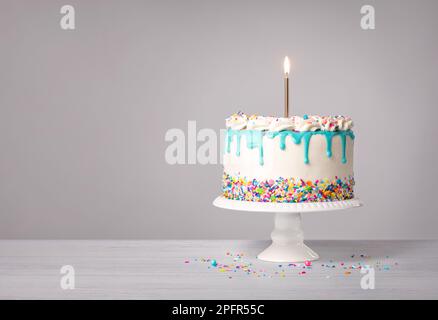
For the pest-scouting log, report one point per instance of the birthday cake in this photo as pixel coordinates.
(296, 159)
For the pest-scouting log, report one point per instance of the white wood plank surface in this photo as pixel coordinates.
(158, 270)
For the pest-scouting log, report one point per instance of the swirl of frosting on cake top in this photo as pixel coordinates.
(237, 121)
(240, 121)
(259, 123)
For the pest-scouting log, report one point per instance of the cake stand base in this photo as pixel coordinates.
(287, 241)
(287, 236)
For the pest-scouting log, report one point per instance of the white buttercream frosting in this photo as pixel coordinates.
(310, 124)
(259, 123)
(280, 124)
(240, 121)
(237, 121)
(344, 123)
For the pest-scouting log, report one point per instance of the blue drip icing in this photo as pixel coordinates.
(254, 139)
(307, 136)
(238, 145)
(344, 146)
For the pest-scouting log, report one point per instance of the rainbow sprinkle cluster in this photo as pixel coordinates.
(287, 190)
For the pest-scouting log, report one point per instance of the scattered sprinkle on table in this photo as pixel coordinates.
(235, 263)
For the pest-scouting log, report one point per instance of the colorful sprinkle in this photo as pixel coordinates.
(234, 265)
(287, 190)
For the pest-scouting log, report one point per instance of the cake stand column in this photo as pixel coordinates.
(287, 241)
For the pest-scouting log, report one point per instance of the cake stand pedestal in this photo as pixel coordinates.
(287, 236)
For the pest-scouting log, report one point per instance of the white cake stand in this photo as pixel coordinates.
(287, 236)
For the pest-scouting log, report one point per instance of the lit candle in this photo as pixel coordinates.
(286, 67)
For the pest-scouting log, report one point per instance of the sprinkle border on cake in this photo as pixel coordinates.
(287, 189)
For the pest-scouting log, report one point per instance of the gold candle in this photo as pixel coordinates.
(286, 66)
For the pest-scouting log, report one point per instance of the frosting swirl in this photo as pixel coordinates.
(280, 124)
(240, 121)
(308, 124)
(259, 123)
(237, 121)
(327, 123)
(344, 123)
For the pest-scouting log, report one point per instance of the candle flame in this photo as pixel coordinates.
(286, 66)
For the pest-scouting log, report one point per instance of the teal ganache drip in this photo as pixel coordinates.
(307, 135)
(329, 138)
(254, 139)
(238, 145)
(344, 143)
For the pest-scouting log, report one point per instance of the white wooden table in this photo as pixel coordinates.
(178, 270)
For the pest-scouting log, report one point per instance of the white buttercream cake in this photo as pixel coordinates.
(296, 159)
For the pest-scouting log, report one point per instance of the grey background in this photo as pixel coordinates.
(83, 113)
